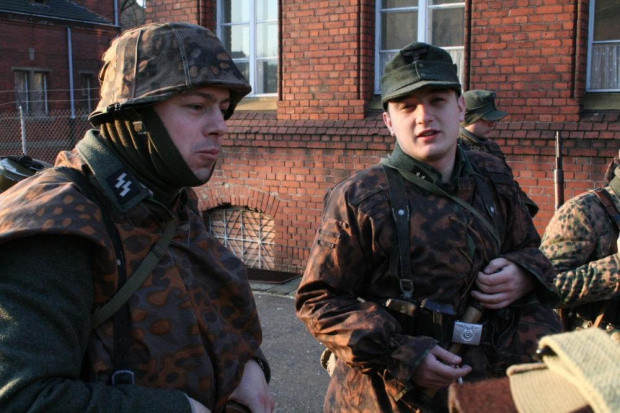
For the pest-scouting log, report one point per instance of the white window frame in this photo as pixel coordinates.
(613, 53)
(252, 59)
(423, 8)
(29, 92)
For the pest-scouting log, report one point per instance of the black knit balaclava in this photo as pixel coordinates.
(143, 144)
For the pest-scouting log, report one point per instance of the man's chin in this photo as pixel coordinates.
(203, 174)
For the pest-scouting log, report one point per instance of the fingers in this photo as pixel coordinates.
(494, 301)
(445, 357)
(496, 265)
(434, 374)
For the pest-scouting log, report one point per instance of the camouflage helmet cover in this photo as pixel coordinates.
(154, 62)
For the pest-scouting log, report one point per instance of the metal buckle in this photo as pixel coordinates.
(406, 287)
(131, 380)
(466, 333)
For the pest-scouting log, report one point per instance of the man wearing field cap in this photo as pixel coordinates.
(408, 247)
(481, 117)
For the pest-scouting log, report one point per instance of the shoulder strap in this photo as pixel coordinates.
(135, 281)
(424, 184)
(608, 204)
(401, 214)
(118, 304)
(614, 216)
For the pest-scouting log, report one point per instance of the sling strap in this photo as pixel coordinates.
(118, 306)
(614, 216)
(400, 249)
(424, 184)
(135, 281)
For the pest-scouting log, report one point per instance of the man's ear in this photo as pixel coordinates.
(388, 122)
(461, 104)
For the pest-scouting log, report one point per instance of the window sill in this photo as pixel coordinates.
(602, 101)
(258, 103)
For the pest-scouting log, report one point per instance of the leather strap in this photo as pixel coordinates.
(135, 281)
(424, 184)
(614, 216)
(401, 215)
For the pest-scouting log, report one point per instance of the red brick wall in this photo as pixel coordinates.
(160, 11)
(49, 42)
(533, 53)
(325, 70)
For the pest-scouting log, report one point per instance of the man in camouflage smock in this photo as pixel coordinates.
(481, 116)
(466, 227)
(581, 241)
(193, 339)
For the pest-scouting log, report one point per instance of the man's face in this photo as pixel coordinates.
(481, 128)
(195, 123)
(426, 124)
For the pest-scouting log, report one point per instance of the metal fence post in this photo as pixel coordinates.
(23, 128)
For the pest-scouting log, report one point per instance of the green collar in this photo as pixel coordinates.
(117, 181)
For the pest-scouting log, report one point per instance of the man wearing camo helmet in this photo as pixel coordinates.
(400, 246)
(582, 241)
(187, 339)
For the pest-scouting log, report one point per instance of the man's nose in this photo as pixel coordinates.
(423, 114)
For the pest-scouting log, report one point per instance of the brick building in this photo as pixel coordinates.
(50, 57)
(314, 117)
(318, 119)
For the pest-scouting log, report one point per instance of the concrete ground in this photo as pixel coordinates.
(298, 381)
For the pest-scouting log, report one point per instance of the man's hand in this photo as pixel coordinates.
(501, 283)
(439, 369)
(253, 390)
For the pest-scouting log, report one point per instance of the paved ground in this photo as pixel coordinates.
(298, 381)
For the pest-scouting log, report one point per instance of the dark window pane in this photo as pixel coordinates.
(606, 18)
(267, 77)
(398, 29)
(392, 4)
(447, 27)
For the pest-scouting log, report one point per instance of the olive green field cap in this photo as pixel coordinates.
(480, 104)
(154, 62)
(415, 66)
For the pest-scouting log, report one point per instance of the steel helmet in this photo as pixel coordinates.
(156, 61)
(15, 168)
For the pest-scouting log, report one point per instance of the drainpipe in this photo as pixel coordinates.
(70, 56)
(116, 13)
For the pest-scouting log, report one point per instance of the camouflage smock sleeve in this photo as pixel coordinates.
(520, 239)
(44, 333)
(341, 270)
(580, 242)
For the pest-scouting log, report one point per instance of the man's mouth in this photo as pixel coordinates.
(427, 133)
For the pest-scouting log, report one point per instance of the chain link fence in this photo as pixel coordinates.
(42, 136)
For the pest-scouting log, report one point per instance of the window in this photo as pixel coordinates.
(400, 22)
(604, 47)
(248, 234)
(88, 92)
(31, 92)
(249, 31)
